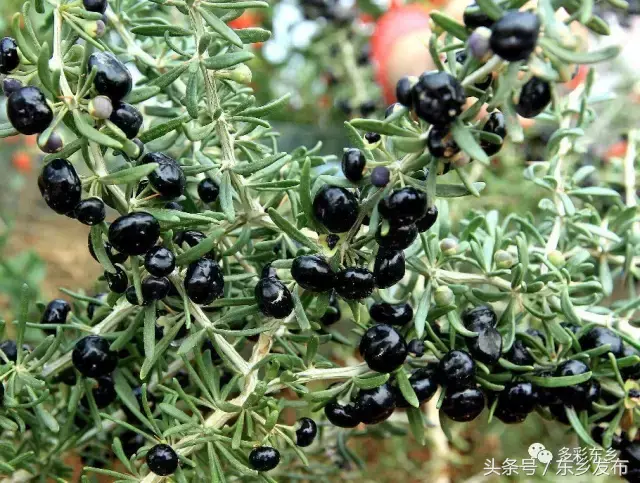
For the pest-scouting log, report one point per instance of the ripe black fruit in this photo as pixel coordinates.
(416, 347)
(204, 281)
(354, 283)
(515, 35)
(135, 233)
(457, 368)
(273, 298)
(90, 211)
(343, 416)
(577, 392)
(10, 350)
(264, 458)
(463, 404)
(9, 86)
(98, 6)
(397, 237)
(333, 314)
(389, 267)
(9, 58)
(306, 432)
(353, 164)
(495, 124)
(383, 348)
(268, 272)
(55, 312)
(440, 143)
(375, 405)
(519, 354)
(60, 186)
(155, 288)
(208, 190)
(599, 336)
(404, 88)
(114, 256)
(438, 98)
(168, 178)
(336, 208)
(380, 176)
(28, 111)
(428, 220)
(404, 206)
(112, 78)
(312, 273)
(92, 356)
(159, 261)
(535, 96)
(162, 460)
(519, 397)
(127, 118)
(423, 382)
(507, 416)
(118, 281)
(481, 316)
(105, 392)
(392, 314)
(473, 17)
(487, 347)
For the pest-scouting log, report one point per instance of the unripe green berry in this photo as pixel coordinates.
(443, 296)
(449, 246)
(556, 257)
(503, 259)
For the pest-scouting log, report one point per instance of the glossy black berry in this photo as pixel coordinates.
(60, 186)
(404, 88)
(264, 458)
(519, 354)
(404, 206)
(93, 306)
(343, 416)
(99, 6)
(336, 208)
(162, 460)
(174, 205)
(92, 356)
(113, 255)
(463, 404)
(9, 58)
(495, 124)
(313, 273)
(389, 267)
(135, 233)
(208, 190)
(380, 176)
(159, 261)
(424, 384)
(112, 78)
(127, 118)
(428, 220)
(268, 271)
(438, 98)
(535, 96)
(393, 314)
(354, 283)
(383, 348)
(204, 281)
(440, 143)
(273, 298)
(9, 86)
(479, 317)
(10, 350)
(90, 211)
(377, 404)
(372, 137)
(131, 443)
(353, 164)
(28, 111)
(599, 336)
(397, 237)
(515, 35)
(332, 314)
(416, 347)
(457, 368)
(576, 393)
(155, 288)
(519, 397)
(507, 416)
(306, 432)
(487, 347)
(473, 17)
(55, 312)
(168, 178)
(105, 392)
(118, 282)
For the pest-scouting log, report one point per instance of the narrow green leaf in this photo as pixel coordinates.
(253, 35)
(99, 249)
(226, 197)
(263, 111)
(458, 190)
(128, 175)
(220, 27)
(301, 315)
(151, 30)
(467, 142)
(450, 25)
(560, 381)
(93, 134)
(191, 97)
(224, 61)
(142, 94)
(149, 333)
(405, 388)
(291, 230)
(371, 125)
